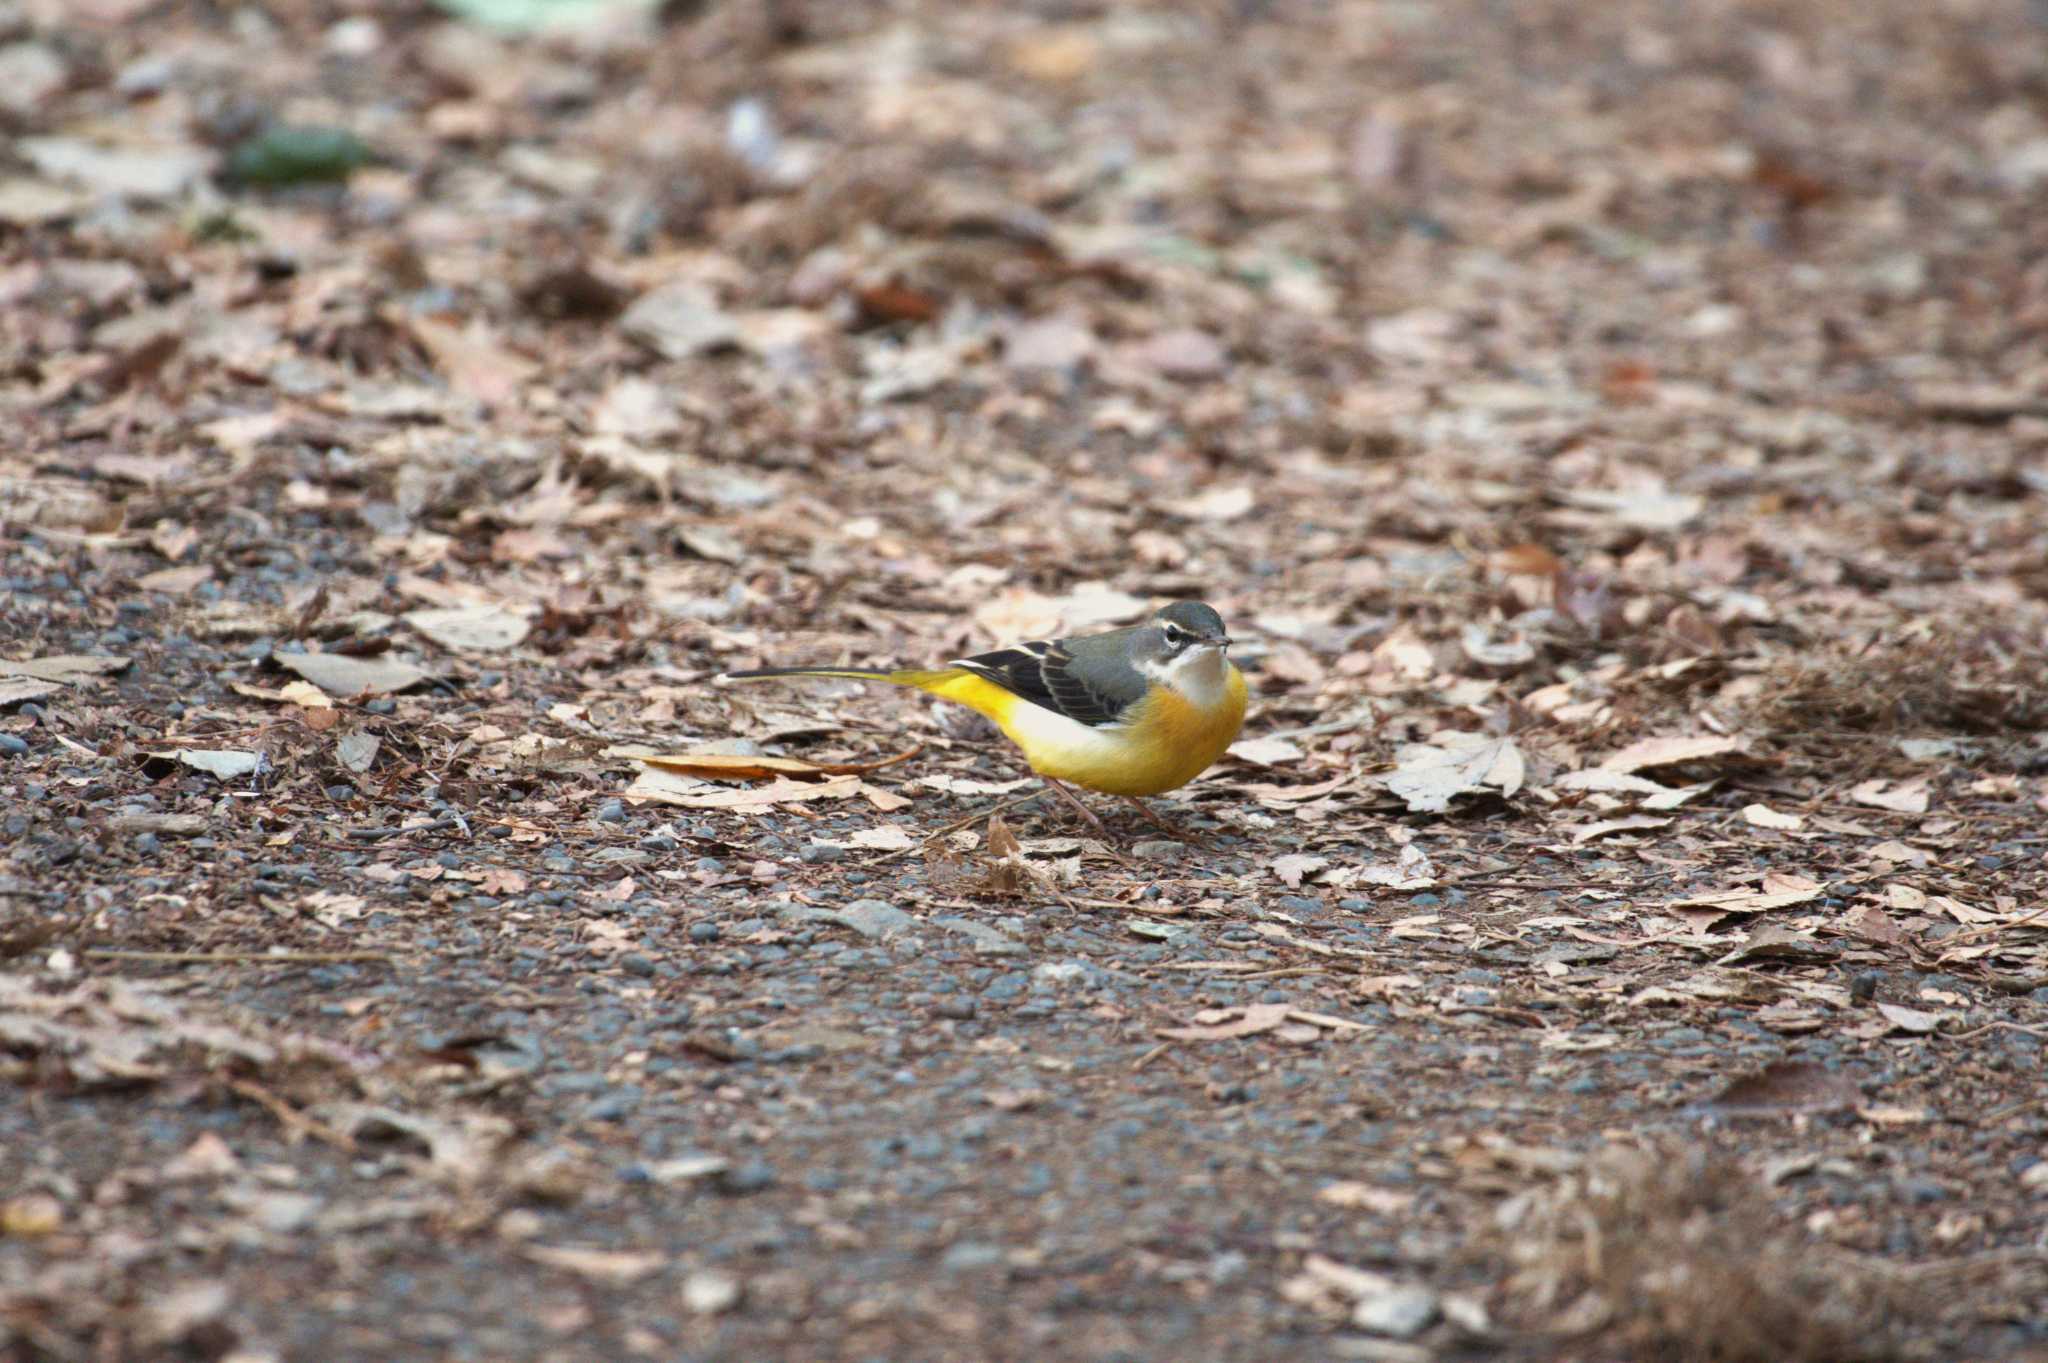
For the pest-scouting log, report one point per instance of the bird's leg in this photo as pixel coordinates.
(1163, 823)
(1075, 801)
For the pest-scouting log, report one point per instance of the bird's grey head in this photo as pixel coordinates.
(1182, 647)
(1184, 624)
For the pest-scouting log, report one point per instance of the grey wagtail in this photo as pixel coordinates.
(1132, 712)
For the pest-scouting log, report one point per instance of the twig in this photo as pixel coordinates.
(372, 834)
(292, 1117)
(1970, 1263)
(1148, 1057)
(957, 825)
(1999, 1026)
(2016, 984)
(1993, 929)
(1521, 1015)
(1991, 1119)
(236, 957)
(1350, 719)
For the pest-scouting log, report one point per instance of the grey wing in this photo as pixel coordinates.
(1084, 689)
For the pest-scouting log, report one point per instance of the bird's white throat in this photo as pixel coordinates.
(1199, 674)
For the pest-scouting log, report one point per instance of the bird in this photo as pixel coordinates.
(1131, 712)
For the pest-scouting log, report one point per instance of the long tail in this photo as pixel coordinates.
(956, 684)
(923, 680)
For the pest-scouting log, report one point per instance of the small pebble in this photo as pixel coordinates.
(710, 1294)
(875, 918)
(1399, 1312)
(382, 705)
(611, 811)
(753, 1177)
(1009, 986)
(13, 745)
(1922, 1190)
(959, 1009)
(704, 932)
(969, 1255)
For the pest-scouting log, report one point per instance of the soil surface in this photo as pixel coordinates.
(1616, 434)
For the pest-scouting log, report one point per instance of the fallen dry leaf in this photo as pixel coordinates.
(471, 629)
(1428, 776)
(613, 1267)
(222, 763)
(1294, 866)
(886, 837)
(1226, 1024)
(1914, 1020)
(1627, 824)
(1763, 816)
(1776, 893)
(340, 674)
(1789, 1087)
(176, 581)
(1906, 797)
(34, 678)
(749, 767)
(1646, 509)
(1664, 752)
(669, 788)
(1265, 752)
(1366, 1197)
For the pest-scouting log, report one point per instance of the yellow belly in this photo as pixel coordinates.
(1167, 743)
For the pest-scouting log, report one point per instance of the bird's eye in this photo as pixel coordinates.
(1176, 636)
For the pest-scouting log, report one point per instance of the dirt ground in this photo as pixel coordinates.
(1616, 433)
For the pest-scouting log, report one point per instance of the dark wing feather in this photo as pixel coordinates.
(1044, 674)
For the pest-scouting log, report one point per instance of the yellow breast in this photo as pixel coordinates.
(1166, 742)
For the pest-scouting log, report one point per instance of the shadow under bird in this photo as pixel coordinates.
(1132, 712)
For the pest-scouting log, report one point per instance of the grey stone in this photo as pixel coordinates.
(874, 918)
(755, 1176)
(1008, 986)
(969, 1255)
(1401, 1312)
(988, 939)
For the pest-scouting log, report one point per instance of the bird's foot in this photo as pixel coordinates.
(1166, 825)
(1108, 842)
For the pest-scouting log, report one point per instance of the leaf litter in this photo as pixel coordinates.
(1633, 710)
